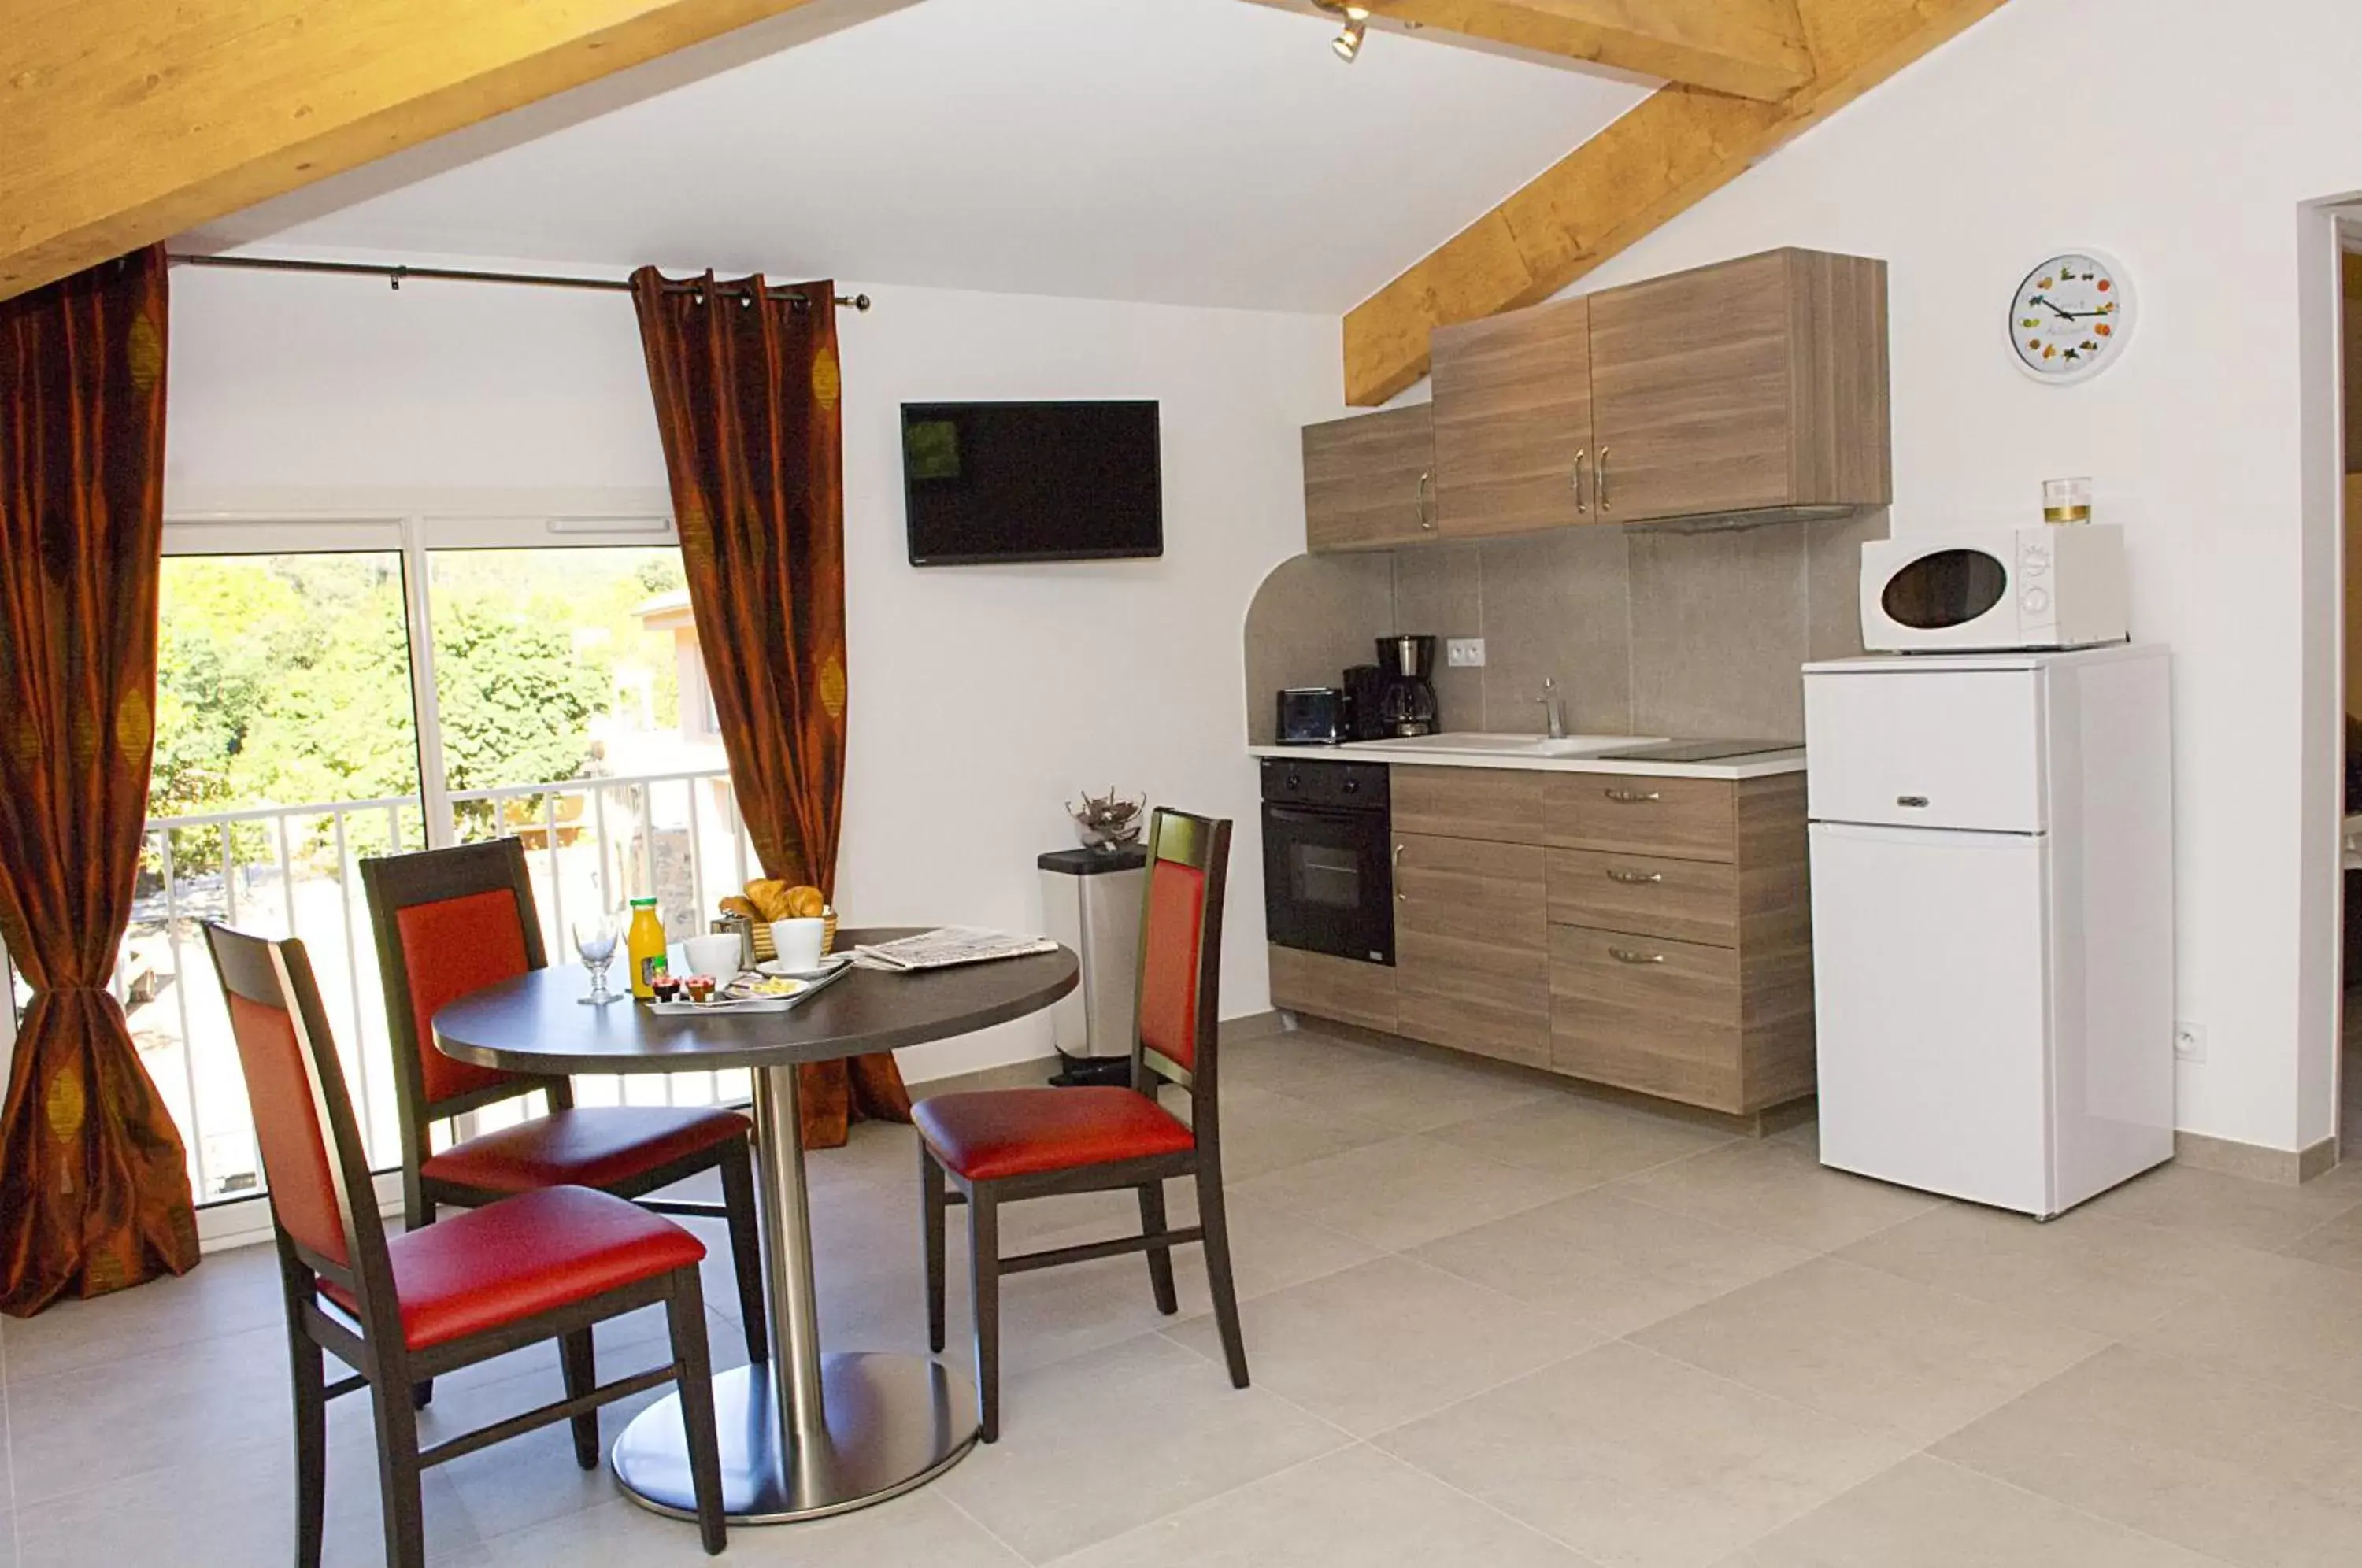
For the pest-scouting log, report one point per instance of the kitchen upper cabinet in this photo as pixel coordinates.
(1756, 385)
(1513, 421)
(1752, 386)
(1369, 482)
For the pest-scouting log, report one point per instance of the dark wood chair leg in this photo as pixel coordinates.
(418, 1210)
(930, 1209)
(746, 1246)
(579, 1365)
(311, 1446)
(397, 1477)
(1160, 1259)
(1215, 1222)
(983, 1284)
(685, 1316)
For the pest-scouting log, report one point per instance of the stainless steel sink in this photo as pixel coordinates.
(1475, 744)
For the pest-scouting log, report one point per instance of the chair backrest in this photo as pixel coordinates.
(450, 921)
(321, 1199)
(1181, 954)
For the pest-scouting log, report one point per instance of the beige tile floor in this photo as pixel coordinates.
(1490, 1323)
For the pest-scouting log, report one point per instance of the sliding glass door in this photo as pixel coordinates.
(286, 749)
(335, 690)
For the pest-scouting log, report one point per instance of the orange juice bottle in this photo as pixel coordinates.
(644, 946)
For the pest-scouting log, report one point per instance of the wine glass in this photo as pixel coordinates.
(595, 937)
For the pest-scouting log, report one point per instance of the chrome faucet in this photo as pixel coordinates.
(1549, 700)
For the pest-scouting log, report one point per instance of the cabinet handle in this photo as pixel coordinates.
(1399, 895)
(1576, 480)
(1627, 955)
(1633, 797)
(1424, 500)
(1634, 878)
(1599, 481)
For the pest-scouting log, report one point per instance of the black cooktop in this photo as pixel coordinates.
(1697, 750)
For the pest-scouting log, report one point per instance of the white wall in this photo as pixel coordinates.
(982, 699)
(2184, 140)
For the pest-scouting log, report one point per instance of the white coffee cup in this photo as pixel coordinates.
(716, 953)
(799, 942)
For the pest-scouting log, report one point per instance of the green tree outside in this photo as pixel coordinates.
(286, 680)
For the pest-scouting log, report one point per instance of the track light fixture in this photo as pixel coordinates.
(1347, 43)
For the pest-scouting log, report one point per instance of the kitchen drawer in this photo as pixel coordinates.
(1646, 1013)
(1325, 985)
(1691, 901)
(1684, 818)
(1503, 804)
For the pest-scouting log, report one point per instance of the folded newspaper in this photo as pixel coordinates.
(951, 945)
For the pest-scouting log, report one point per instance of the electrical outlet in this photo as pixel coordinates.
(2188, 1042)
(1464, 653)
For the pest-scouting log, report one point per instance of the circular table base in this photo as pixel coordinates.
(894, 1422)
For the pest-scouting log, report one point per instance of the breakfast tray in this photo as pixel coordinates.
(725, 1006)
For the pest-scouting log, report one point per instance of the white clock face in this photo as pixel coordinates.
(2070, 317)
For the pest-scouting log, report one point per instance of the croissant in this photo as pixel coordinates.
(734, 905)
(771, 898)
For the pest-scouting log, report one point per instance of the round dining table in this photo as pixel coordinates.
(807, 1433)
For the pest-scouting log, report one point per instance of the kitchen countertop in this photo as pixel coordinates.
(1758, 764)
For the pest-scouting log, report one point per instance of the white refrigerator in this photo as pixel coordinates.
(1993, 919)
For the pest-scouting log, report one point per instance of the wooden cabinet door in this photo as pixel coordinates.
(1472, 947)
(1690, 378)
(1513, 422)
(1368, 480)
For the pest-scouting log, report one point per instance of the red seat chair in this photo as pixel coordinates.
(452, 920)
(999, 1146)
(399, 1309)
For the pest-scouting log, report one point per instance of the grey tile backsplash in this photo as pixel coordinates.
(1681, 630)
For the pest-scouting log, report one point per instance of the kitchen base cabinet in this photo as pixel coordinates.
(1649, 934)
(1681, 948)
(1345, 989)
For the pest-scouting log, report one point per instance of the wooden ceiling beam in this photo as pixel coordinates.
(1676, 146)
(129, 121)
(1750, 49)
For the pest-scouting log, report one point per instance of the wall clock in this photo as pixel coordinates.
(2069, 318)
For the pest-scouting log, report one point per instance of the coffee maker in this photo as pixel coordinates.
(1407, 695)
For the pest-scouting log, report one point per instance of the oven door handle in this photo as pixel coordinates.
(1314, 816)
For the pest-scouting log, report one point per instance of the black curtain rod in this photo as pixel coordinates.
(395, 274)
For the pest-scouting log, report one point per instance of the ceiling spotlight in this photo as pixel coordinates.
(1347, 43)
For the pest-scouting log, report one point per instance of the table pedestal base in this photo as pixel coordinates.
(894, 1422)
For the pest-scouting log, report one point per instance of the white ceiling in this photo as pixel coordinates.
(1186, 151)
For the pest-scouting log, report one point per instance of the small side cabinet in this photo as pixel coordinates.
(1369, 482)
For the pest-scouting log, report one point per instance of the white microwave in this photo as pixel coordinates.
(2040, 587)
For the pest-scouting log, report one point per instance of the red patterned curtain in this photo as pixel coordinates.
(94, 1184)
(747, 391)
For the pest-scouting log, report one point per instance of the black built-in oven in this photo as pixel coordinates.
(1328, 883)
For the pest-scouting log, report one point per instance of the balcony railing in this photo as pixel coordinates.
(590, 844)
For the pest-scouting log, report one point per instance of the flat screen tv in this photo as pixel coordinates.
(1031, 481)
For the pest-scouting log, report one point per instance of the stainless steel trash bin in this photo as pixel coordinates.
(1090, 902)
